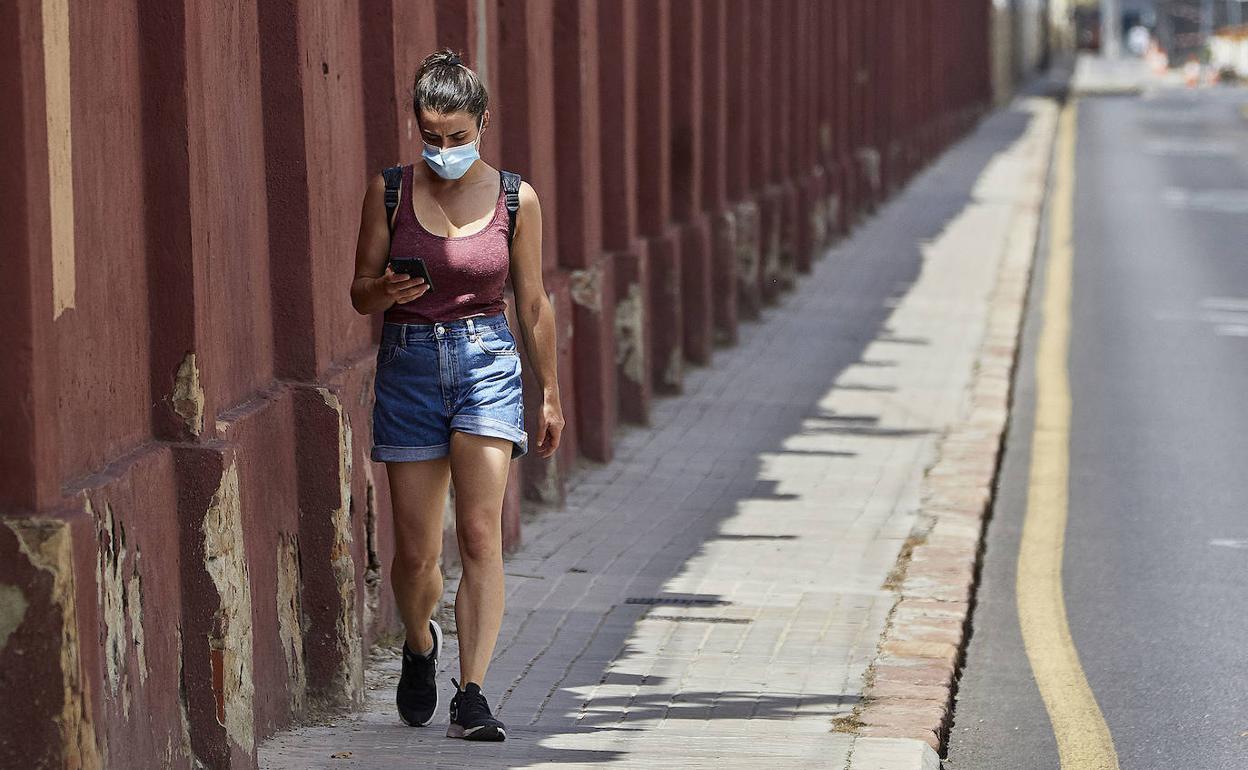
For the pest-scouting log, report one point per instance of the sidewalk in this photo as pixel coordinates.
(715, 596)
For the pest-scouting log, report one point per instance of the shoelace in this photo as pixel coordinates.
(476, 698)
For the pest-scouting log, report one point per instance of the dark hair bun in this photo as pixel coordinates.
(445, 84)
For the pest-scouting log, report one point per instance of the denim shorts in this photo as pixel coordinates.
(435, 378)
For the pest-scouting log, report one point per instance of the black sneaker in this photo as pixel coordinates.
(471, 718)
(417, 695)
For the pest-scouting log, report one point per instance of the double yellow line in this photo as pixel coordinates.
(1083, 739)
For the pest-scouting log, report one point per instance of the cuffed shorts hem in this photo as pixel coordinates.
(406, 454)
(487, 426)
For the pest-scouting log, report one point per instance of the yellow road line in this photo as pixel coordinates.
(1083, 739)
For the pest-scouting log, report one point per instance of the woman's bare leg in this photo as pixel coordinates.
(479, 467)
(418, 492)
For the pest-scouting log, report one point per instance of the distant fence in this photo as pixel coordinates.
(195, 546)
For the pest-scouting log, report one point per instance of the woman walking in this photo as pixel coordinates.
(448, 403)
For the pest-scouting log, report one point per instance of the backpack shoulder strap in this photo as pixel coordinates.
(394, 179)
(511, 189)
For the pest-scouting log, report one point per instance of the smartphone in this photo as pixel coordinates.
(413, 267)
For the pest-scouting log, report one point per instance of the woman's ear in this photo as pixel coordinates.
(485, 120)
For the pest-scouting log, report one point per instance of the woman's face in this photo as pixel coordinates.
(444, 130)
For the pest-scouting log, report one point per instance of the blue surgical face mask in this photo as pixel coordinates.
(453, 162)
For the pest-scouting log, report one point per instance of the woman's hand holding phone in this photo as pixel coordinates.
(400, 287)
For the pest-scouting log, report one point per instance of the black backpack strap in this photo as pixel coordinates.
(394, 178)
(511, 189)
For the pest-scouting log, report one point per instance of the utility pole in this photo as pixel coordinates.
(1111, 29)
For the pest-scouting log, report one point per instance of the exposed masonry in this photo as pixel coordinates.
(747, 244)
(350, 676)
(183, 748)
(188, 395)
(134, 600)
(372, 570)
(230, 641)
(629, 335)
(818, 220)
(585, 286)
(673, 372)
(834, 212)
(46, 544)
(723, 241)
(869, 159)
(120, 602)
(289, 620)
(13, 607)
(772, 269)
(545, 482)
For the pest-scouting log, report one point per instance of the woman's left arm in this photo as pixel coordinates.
(536, 316)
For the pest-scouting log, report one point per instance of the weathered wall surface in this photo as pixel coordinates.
(195, 547)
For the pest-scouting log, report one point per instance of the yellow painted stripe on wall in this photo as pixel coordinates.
(60, 151)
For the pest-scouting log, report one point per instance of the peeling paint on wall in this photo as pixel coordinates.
(869, 160)
(771, 253)
(372, 570)
(184, 738)
(351, 675)
(120, 603)
(231, 638)
(629, 335)
(188, 395)
(585, 287)
(110, 597)
(290, 620)
(13, 606)
(134, 600)
(46, 544)
(818, 225)
(673, 373)
(747, 244)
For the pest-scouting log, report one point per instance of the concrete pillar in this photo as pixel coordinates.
(719, 134)
(526, 93)
(742, 177)
(784, 205)
(764, 174)
(847, 107)
(29, 455)
(688, 104)
(664, 313)
(617, 38)
(591, 279)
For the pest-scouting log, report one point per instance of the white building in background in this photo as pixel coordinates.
(1229, 48)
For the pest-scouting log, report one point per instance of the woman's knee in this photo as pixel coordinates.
(412, 563)
(480, 536)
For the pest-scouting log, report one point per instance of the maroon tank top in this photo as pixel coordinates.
(468, 271)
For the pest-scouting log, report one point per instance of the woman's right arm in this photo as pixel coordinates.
(375, 286)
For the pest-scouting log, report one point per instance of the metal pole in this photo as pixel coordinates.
(1111, 29)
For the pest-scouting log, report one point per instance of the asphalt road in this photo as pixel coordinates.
(1155, 570)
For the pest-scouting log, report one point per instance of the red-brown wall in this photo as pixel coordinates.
(192, 530)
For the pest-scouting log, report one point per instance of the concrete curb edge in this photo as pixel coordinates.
(906, 710)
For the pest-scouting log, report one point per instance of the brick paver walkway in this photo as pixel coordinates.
(714, 596)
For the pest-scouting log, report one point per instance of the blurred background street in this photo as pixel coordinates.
(902, 347)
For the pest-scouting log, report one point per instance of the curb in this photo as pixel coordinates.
(905, 713)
